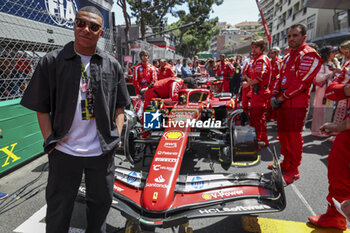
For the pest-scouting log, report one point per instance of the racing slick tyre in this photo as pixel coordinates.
(243, 140)
(132, 150)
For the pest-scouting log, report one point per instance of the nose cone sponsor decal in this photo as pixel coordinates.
(155, 195)
(174, 135)
(159, 179)
(170, 145)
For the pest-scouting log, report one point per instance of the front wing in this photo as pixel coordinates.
(210, 196)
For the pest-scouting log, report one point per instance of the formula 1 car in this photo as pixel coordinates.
(202, 124)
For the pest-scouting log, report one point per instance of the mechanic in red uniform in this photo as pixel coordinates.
(165, 88)
(144, 73)
(276, 64)
(339, 156)
(165, 70)
(291, 96)
(247, 73)
(225, 69)
(261, 73)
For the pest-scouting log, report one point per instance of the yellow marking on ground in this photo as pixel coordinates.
(266, 225)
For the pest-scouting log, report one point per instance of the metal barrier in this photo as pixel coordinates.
(26, 34)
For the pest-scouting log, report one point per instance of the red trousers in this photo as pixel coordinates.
(226, 82)
(290, 123)
(271, 113)
(339, 168)
(257, 117)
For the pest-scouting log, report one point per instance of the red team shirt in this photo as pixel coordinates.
(276, 66)
(166, 72)
(225, 68)
(144, 74)
(261, 70)
(335, 90)
(247, 69)
(299, 69)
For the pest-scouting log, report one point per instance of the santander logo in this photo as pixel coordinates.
(159, 179)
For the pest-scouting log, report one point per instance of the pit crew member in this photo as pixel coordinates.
(247, 72)
(276, 64)
(261, 73)
(225, 69)
(339, 156)
(165, 70)
(144, 73)
(291, 96)
(168, 88)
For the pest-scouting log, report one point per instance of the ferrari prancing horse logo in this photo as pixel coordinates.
(155, 195)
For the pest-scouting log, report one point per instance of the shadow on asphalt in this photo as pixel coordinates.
(42, 167)
(229, 224)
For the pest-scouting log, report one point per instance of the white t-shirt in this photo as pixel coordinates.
(178, 68)
(82, 139)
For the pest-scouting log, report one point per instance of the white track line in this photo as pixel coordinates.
(296, 190)
(34, 225)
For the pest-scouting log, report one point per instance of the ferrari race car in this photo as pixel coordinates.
(155, 192)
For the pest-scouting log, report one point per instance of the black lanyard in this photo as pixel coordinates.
(87, 105)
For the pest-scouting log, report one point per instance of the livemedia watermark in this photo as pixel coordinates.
(154, 120)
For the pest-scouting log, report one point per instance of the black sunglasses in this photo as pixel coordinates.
(80, 23)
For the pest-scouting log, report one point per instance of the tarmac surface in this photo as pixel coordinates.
(307, 196)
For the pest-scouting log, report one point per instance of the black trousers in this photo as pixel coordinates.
(65, 174)
(235, 84)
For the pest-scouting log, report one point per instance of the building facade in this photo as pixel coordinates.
(267, 7)
(249, 26)
(230, 37)
(226, 38)
(319, 22)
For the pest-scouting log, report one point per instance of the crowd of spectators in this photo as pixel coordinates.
(14, 75)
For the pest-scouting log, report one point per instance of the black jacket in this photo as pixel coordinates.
(54, 89)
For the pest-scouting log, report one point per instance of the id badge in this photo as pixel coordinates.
(87, 110)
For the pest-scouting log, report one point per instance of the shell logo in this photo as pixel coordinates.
(174, 135)
(206, 196)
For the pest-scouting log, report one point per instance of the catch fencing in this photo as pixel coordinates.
(26, 34)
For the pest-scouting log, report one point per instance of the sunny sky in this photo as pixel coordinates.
(231, 11)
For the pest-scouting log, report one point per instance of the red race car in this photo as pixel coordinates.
(202, 124)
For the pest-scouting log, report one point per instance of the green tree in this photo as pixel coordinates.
(152, 12)
(192, 39)
(197, 38)
(122, 4)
